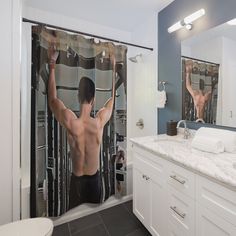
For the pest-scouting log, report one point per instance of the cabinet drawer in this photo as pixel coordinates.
(181, 213)
(218, 199)
(181, 179)
(155, 171)
(140, 164)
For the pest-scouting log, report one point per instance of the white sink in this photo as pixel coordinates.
(170, 140)
(173, 145)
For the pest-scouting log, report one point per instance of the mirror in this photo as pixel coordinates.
(209, 76)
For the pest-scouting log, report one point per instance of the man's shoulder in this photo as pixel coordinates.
(76, 123)
(97, 121)
(91, 120)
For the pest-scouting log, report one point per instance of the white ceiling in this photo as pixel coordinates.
(120, 14)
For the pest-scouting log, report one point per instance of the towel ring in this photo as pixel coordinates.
(163, 83)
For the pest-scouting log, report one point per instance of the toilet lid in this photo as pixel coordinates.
(28, 227)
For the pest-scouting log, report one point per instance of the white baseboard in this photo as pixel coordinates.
(87, 209)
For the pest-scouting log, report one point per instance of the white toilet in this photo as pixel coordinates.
(28, 227)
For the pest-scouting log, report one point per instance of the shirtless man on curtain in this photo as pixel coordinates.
(84, 134)
(199, 98)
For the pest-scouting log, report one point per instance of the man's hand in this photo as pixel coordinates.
(210, 70)
(111, 48)
(52, 53)
(189, 67)
(113, 61)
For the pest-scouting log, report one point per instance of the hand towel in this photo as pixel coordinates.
(227, 137)
(161, 98)
(207, 144)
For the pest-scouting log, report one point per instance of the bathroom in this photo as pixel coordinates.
(158, 66)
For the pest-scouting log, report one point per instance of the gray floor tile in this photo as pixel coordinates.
(98, 230)
(140, 232)
(129, 206)
(119, 221)
(61, 230)
(84, 223)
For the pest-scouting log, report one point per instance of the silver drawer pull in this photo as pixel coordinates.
(182, 215)
(177, 179)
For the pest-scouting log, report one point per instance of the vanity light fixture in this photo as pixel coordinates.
(187, 21)
(189, 26)
(232, 22)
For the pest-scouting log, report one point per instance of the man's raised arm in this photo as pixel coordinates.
(104, 114)
(62, 114)
(187, 79)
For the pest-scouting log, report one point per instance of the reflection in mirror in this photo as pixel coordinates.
(200, 90)
(208, 71)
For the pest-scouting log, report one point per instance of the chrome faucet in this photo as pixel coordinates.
(186, 130)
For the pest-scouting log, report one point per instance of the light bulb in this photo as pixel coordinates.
(232, 22)
(189, 19)
(175, 27)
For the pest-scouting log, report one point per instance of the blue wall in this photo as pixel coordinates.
(169, 47)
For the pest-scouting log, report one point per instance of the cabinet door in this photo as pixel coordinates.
(217, 198)
(150, 193)
(158, 207)
(175, 230)
(208, 223)
(141, 196)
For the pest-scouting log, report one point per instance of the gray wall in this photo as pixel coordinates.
(169, 47)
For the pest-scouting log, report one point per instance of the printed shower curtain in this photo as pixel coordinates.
(51, 165)
(199, 90)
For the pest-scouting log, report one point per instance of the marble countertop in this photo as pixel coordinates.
(221, 167)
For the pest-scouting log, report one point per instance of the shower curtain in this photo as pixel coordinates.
(204, 78)
(51, 165)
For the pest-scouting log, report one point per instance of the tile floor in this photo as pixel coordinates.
(115, 221)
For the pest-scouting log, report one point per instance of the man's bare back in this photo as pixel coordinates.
(200, 100)
(84, 133)
(85, 140)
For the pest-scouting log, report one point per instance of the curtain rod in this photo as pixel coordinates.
(83, 33)
(196, 59)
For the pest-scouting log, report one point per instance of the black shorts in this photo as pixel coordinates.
(119, 177)
(85, 189)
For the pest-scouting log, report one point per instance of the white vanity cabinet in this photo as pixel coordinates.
(180, 201)
(149, 193)
(208, 223)
(173, 201)
(216, 209)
